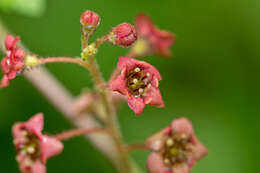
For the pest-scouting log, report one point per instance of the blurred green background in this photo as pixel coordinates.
(213, 79)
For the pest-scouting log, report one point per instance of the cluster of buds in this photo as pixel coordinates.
(33, 148)
(176, 149)
(14, 61)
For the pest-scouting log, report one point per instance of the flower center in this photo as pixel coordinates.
(30, 145)
(175, 150)
(138, 81)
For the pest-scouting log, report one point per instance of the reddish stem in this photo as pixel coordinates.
(134, 147)
(101, 40)
(63, 60)
(77, 132)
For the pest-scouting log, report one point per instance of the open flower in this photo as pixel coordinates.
(14, 61)
(33, 148)
(176, 149)
(151, 39)
(139, 82)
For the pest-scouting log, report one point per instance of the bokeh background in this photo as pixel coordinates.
(213, 78)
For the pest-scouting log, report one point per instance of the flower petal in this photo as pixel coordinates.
(182, 126)
(125, 62)
(38, 167)
(5, 81)
(35, 124)
(156, 141)
(154, 98)
(183, 168)
(49, 147)
(143, 24)
(199, 149)
(155, 163)
(119, 85)
(136, 104)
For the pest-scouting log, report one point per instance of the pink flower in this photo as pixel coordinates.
(89, 19)
(123, 35)
(14, 61)
(33, 148)
(139, 82)
(176, 149)
(158, 41)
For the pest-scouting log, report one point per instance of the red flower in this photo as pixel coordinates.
(32, 146)
(139, 82)
(176, 149)
(14, 61)
(158, 41)
(123, 35)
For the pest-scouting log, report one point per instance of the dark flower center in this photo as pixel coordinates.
(175, 150)
(30, 145)
(138, 81)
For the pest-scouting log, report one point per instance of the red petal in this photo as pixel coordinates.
(182, 126)
(155, 163)
(35, 124)
(50, 147)
(136, 104)
(153, 97)
(5, 81)
(119, 85)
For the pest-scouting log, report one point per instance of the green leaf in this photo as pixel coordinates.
(31, 8)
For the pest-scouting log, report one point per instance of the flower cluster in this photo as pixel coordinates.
(176, 149)
(33, 148)
(14, 61)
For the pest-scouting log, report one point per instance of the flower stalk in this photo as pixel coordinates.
(78, 132)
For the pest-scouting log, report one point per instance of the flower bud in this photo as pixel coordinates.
(89, 51)
(89, 20)
(123, 35)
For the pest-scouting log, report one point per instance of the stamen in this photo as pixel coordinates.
(169, 142)
(148, 74)
(137, 69)
(166, 161)
(24, 133)
(135, 81)
(149, 85)
(141, 90)
(30, 150)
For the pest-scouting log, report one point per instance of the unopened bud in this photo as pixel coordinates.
(89, 51)
(123, 35)
(89, 20)
(31, 61)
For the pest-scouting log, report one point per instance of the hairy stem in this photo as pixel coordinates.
(63, 60)
(110, 115)
(80, 131)
(134, 147)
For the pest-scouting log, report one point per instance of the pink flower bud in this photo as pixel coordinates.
(123, 35)
(89, 19)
